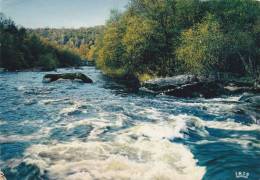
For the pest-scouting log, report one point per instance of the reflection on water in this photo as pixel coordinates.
(71, 130)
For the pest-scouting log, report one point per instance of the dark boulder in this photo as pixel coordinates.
(197, 89)
(185, 86)
(130, 81)
(165, 84)
(249, 104)
(197, 86)
(71, 76)
(253, 99)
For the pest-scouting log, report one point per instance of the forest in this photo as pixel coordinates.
(21, 49)
(167, 37)
(162, 38)
(81, 41)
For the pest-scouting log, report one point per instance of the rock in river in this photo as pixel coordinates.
(184, 86)
(249, 105)
(196, 86)
(71, 76)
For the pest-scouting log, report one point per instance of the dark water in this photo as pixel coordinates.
(70, 130)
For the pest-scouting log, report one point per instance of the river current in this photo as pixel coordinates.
(70, 130)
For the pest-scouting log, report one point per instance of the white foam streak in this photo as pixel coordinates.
(231, 125)
(139, 152)
(21, 138)
(228, 124)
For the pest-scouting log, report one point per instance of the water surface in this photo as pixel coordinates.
(71, 130)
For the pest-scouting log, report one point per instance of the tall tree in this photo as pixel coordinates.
(201, 46)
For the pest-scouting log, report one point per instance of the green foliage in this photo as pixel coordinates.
(166, 37)
(201, 46)
(68, 58)
(21, 50)
(138, 40)
(78, 41)
(48, 61)
(111, 54)
(150, 38)
(188, 12)
(135, 40)
(234, 14)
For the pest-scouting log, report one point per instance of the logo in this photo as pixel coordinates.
(242, 174)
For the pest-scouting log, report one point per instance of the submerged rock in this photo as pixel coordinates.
(251, 98)
(197, 86)
(249, 105)
(71, 76)
(2, 69)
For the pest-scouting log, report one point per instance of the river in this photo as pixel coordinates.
(71, 130)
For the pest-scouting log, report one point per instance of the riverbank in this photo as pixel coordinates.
(207, 86)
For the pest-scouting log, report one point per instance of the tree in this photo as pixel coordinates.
(91, 53)
(201, 46)
(112, 52)
(159, 13)
(48, 61)
(20, 49)
(187, 13)
(241, 47)
(140, 55)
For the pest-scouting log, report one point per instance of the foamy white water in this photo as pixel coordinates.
(141, 152)
(69, 130)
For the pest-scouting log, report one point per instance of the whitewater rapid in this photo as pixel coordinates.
(69, 130)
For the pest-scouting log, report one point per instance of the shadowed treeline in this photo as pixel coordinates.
(21, 50)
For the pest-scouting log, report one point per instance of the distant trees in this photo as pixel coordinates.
(20, 50)
(80, 41)
(167, 37)
(48, 61)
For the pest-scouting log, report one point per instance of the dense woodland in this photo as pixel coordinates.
(150, 38)
(21, 49)
(81, 41)
(168, 37)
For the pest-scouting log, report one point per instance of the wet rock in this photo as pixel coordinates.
(250, 105)
(236, 87)
(197, 86)
(198, 89)
(186, 86)
(71, 76)
(130, 81)
(251, 98)
(78, 67)
(162, 84)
